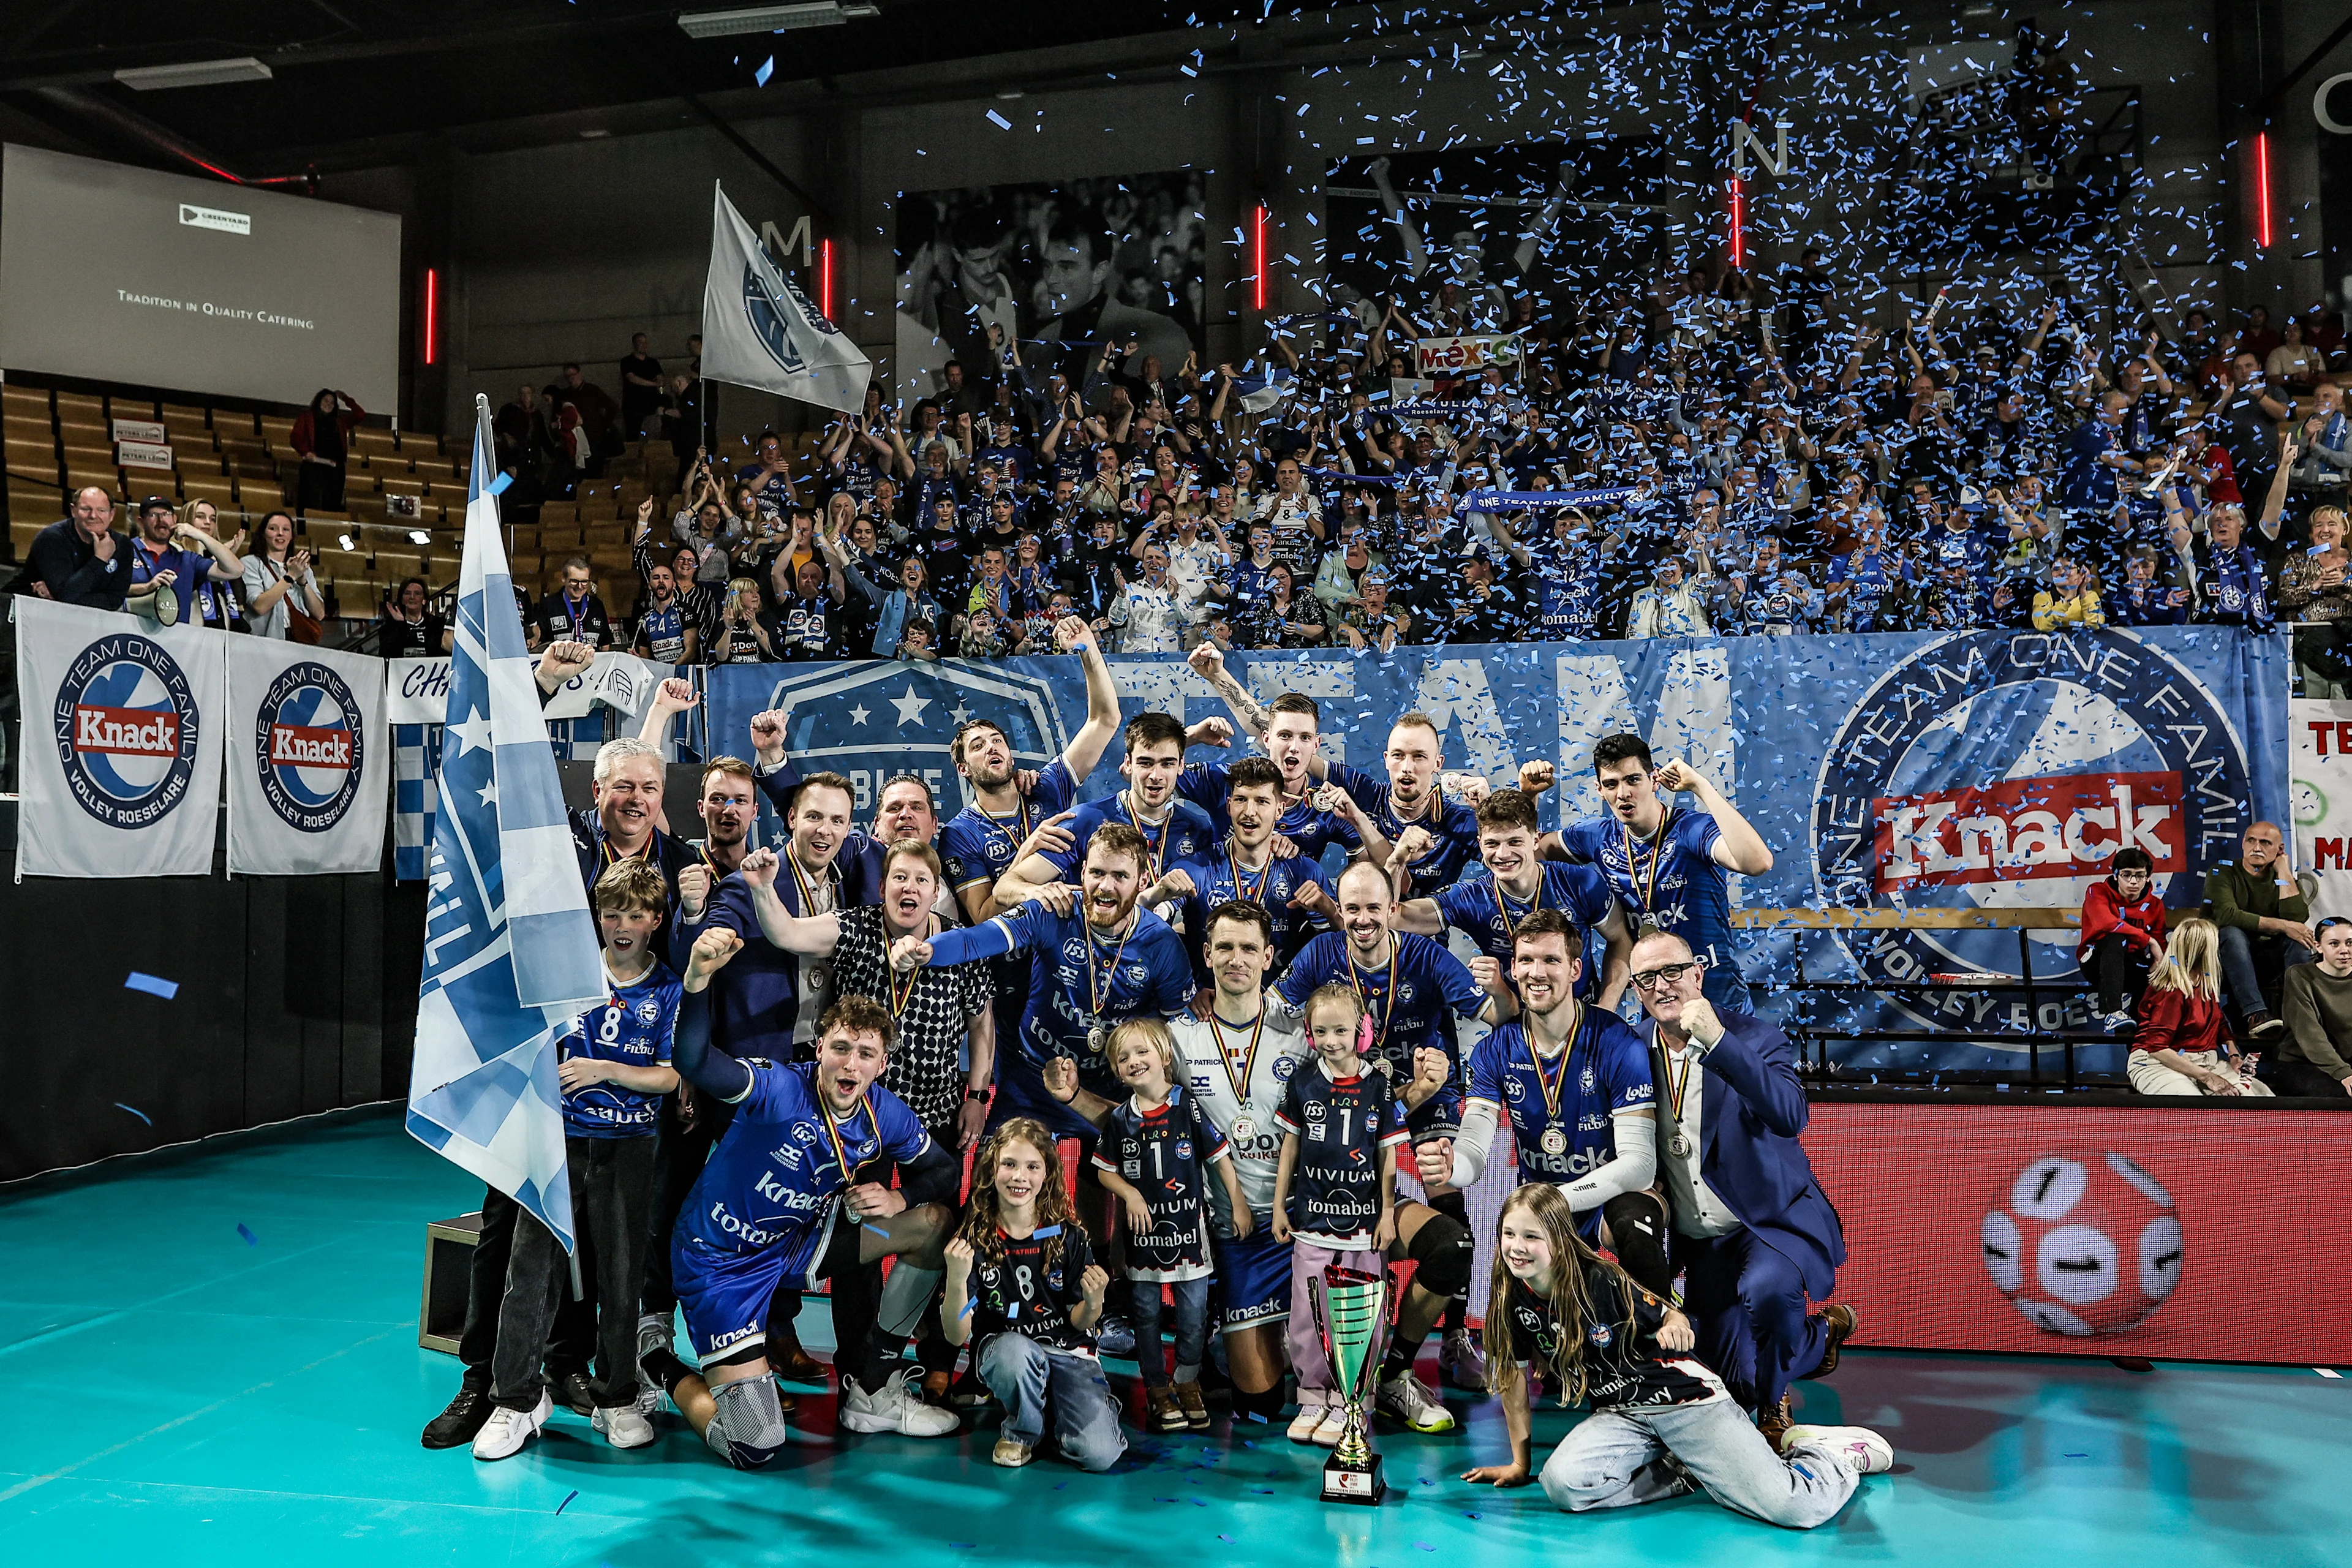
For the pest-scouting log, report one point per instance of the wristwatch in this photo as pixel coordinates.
(986, 1096)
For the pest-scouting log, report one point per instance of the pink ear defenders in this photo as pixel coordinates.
(1364, 1035)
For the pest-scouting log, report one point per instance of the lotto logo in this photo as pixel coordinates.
(2027, 828)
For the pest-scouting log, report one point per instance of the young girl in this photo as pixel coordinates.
(1662, 1424)
(1161, 1138)
(2183, 1045)
(2123, 935)
(1023, 1290)
(1341, 1126)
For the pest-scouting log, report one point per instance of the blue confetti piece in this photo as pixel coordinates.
(498, 485)
(767, 68)
(968, 1305)
(151, 984)
(567, 1501)
(250, 1240)
(2078, 1456)
(135, 1112)
(1044, 1231)
(999, 120)
(1467, 1514)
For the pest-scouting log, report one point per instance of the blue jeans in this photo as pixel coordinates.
(1617, 1458)
(1032, 1381)
(2238, 948)
(1191, 1326)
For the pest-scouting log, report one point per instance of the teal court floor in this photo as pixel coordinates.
(207, 1398)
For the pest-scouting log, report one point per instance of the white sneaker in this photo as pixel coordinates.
(504, 1434)
(1309, 1416)
(1460, 1361)
(1411, 1401)
(653, 1333)
(651, 1400)
(623, 1427)
(1863, 1451)
(891, 1409)
(1333, 1427)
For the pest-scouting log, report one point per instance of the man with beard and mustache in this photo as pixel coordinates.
(1431, 836)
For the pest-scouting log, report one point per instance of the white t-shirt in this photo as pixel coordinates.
(1240, 1089)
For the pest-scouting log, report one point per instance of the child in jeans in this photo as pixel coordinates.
(614, 1066)
(1335, 1189)
(1152, 1158)
(1023, 1290)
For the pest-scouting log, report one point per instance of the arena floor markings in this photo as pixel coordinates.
(220, 1351)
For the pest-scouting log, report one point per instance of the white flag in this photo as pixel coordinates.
(760, 331)
(122, 742)
(310, 759)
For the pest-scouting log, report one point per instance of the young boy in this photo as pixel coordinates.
(1154, 1157)
(614, 1064)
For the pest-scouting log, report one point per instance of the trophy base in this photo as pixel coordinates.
(1353, 1483)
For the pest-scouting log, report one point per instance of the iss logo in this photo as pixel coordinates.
(307, 744)
(126, 729)
(2001, 771)
(874, 722)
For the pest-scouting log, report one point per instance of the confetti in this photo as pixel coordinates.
(999, 120)
(1046, 1232)
(135, 1112)
(2327, 1372)
(250, 1240)
(567, 1501)
(152, 985)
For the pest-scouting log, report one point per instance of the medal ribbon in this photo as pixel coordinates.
(1249, 1057)
(647, 854)
(1554, 1082)
(1154, 848)
(1242, 889)
(1021, 816)
(1657, 855)
(808, 897)
(1388, 1003)
(1503, 907)
(832, 1132)
(1098, 989)
(1679, 1085)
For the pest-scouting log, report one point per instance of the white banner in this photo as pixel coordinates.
(2321, 763)
(760, 331)
(122, 742)
(310, 775)
(416, 690)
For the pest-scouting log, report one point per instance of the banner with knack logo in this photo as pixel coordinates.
(309, 759)
(122, 738)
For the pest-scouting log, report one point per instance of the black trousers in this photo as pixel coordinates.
(612, 1181)
(316, 485)
(2301, 1077)
(2118, 968)
(572, 1342)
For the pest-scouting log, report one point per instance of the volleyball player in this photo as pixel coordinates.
(1488, 910)
(1577, 1086)
(1667, 862)
(769, 1207)
(1290, 731)
(1169, 828)
(1444, 832)
(1294, 892)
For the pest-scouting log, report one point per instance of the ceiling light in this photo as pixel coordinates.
(195, 73)
(772, 19)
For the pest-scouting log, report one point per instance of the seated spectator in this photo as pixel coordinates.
(984, 635)
(2294, 366)
(2183, 1045)
(2260, 910)
(2318, 1008)
(919, 640)
(2123, 935)
(665, 633)
(2070, 602)
(82, 558)
(1278, 619)
(1373, 622)
(573, 613)
(809, 625)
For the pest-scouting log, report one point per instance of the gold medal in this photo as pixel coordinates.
(1555, 1141)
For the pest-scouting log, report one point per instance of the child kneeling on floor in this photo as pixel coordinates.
(614, 1066)
(1023, 1290)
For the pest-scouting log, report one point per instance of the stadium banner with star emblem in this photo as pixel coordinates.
(1989, 771)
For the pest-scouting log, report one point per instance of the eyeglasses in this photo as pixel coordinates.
(1665, 973)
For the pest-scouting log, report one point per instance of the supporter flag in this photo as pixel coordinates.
(509, 951)
(122, 742)
(309, 755)
(760, 331)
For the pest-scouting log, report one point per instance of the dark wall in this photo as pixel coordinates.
(296, 995)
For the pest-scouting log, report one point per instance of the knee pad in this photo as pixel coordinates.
(748, 1428)
(1440, 1252)
(1637, 1234)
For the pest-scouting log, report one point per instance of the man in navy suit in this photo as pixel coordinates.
(1757, 1233)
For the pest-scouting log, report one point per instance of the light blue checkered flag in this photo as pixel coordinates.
(510, 953)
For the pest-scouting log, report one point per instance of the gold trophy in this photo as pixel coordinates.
(1347, 1306)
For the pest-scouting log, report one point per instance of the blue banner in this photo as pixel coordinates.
(1912, 771)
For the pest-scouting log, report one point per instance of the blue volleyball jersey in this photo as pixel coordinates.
(1679, 886)
(1209, 785)
(1453, 825)
(1144, 977)
(978, 847)
(1479, 909)
(1165, 1154)
(777, 1175)
(1185, 834)
(632, 1026)
(1429, 983)
(1219, 880)
(663, 633)
(1343, 1126)
(1566, 1135)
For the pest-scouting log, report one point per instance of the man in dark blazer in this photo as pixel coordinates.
(1757, 1236)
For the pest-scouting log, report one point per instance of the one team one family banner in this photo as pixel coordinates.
(1984, 770)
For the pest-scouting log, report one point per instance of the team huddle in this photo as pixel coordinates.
(1229, 985)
